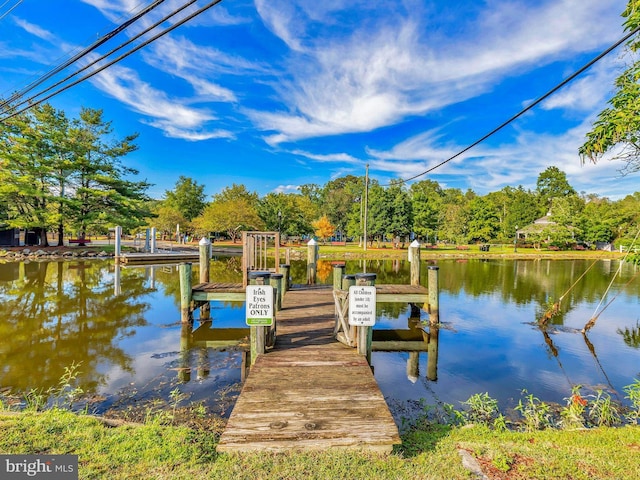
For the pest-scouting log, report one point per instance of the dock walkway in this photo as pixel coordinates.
(310, 392)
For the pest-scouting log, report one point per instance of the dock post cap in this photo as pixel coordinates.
(312, 242)
(204, 241)
(276, 275)
(433, 267)
(366, 276)
(415, 243)
(285, 265)
(257, 274)
(349, 276)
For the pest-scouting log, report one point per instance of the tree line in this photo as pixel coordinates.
(424, 210)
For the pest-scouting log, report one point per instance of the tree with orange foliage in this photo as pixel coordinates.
(323, 228)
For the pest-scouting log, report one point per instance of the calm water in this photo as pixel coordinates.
(132, 349)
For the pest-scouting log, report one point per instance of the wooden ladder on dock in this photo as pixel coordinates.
(309, 392)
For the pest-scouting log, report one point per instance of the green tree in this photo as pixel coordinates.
(27, 159)
(617, 127)
(337, 197)
(290, 214)
(482, 220)
(102, 193)
(168, 218)
(454, 215)
(187, 197)
(426, 205)
(552, 183)
(231, 212)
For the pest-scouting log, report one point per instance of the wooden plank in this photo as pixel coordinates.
(311, 392)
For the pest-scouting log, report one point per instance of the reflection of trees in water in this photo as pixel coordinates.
(631, 336)
(59, 313)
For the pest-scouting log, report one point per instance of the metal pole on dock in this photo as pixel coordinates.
(118, 235)
(365, 334)
(434, 294)
(258, 333)
(185, 292)
(153, 239)
(312, 261)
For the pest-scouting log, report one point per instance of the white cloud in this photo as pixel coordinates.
(286, 189)
(35, 30)
(169, 114)
(395, 65)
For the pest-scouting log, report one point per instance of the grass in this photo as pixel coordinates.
(157, 451)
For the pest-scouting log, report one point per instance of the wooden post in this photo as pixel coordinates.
(185, 292)
(413, 363)
(205, 256)
(276, 281)
(312, 260)
(338, 272)
(348, 281)
(258, 333)
(434, 295)
(285, 268)
(414, 259)
(432, 352)
(184, 369)
(365, 334)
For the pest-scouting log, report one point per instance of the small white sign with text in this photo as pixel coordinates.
(362, 306)
(259, 305)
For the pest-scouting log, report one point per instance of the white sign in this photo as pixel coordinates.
(259, 305)
(362, 306)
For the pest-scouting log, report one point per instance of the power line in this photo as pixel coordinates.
(82, 53)
(527, 108)
(106, 55)
(116, 60)
(10, 8)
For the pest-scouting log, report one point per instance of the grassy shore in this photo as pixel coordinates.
(158, 451)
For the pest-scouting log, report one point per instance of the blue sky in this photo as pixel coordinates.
(275, 94)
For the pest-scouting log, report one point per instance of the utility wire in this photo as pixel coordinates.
(81, 54)
(527, 108)
(10, 8)
(108, 54)
(116, 60)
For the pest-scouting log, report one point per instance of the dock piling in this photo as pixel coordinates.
(185, 292)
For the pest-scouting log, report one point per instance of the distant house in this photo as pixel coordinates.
(537, 227)
(9, 237)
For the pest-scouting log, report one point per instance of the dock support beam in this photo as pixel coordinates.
(185, 292)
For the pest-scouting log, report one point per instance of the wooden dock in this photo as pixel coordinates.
(309, 392)
(158, 258)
